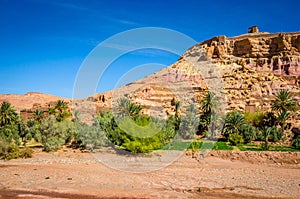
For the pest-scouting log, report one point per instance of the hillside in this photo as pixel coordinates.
(252, 68)
(30, 100)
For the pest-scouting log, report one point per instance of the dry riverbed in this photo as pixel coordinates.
(73, 174)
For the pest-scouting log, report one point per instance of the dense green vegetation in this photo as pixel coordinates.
(269, 127)
(132, 131)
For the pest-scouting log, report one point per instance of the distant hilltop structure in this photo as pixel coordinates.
(253, 29)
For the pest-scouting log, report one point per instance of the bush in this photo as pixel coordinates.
(234, 122)
(142, 145)
(296, 138)
(55, 134)
(91, 137)
(107, 123)
(296, 143)
(235, 139)
(134, 132)
(269, 120)
(52, 143)
(249, 133)
(9, 133)
(237, 129)
(275, 134)
(8, 151)
(255, 118)
(26, 153)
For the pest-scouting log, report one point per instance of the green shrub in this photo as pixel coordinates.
(234, 122)
(8, 151)
(91, 137)
(9, 133)
(134, 132)
(248, 132)
(255, 118)
(26, 153)
(142, 145)
(136, 147)
(55, 134)
(296, 141)
(52, 143)
(235, 139)
(195, 146)
(274, 135)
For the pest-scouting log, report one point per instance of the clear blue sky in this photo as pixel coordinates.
(44, 42)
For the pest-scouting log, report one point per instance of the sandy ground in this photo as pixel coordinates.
(72, 174)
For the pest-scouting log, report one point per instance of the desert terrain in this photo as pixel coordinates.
(74, 174)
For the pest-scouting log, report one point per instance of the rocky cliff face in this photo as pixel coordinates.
(277, 53)
(252, 67)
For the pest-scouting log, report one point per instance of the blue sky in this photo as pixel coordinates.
(44, 42)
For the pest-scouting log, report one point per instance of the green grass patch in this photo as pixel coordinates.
(210, 145)
(177, 146)
(249, 147)
(180, 146)
(283, 148)
(223, 146)
(196, 146)
(256, 147)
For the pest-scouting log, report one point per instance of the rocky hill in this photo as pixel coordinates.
(251, 69)
(26, 104)
(246, 70)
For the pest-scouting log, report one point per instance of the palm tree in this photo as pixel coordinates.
(128, 109)
(284, 102)
(233, 123)
(266, 132)
(207, 105)
(38, 115)
(62, 108)
(189, 123)
(177, 116)
(51, 111)
(7, 114)
(177, 106)
(282, 117)
(208, 102)
(76, 118)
